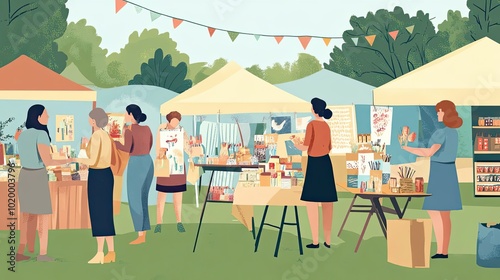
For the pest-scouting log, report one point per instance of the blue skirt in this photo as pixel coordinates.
(443, 187)
(319, 185)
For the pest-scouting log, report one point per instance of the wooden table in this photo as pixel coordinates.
(271, 196)
(69, 205)
(213, 168)
(375, 207)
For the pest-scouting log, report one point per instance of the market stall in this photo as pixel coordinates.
(23, 83)
(240, 92)
(474, 86)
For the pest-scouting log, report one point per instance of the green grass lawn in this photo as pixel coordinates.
(225, 250)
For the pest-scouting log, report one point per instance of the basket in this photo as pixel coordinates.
(407, 185)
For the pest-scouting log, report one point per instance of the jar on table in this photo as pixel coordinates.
(286, 182)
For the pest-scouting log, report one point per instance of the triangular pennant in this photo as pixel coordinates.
(233, 35)
(138, 9)
(257, 37)
(278, 39)
(119, 4)
(410, 28)
(370, 39)
(154, 16)
(355, 41)
(394, 34)
(211, 31)
(304, 41)
(327, 41)
(176, 22)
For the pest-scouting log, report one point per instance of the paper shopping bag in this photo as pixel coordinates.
(193, 174)
(162, 167)
(409, 242)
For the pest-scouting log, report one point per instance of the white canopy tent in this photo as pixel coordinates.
(469, 76)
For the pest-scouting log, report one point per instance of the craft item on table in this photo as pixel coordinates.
(381, 123)
(301, 123)
(270, 138)
(386, 158)
(281, 125)
(224, 153)
(419, 184)
(374, 165)
(9, 149)
(406, 179)
(65, 128)
(116, 125)
(363, 160)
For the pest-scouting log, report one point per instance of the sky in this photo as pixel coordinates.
(267, 17)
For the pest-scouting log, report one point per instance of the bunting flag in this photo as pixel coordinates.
(370, 39)
(410, 28)
(119, 4)
(257, 37)
(233, 35)
(355, 41)
(304, 41)
(138, 9)
(394, 34)
(278, 39)
(327, 41)
(154, 16)
(211, 31)
(176, 22)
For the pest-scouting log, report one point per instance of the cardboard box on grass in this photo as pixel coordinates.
(409, 242)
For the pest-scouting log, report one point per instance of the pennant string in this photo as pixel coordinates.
(226, 30)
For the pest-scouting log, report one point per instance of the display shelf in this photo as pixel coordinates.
(486, 127)
(487, 152)
(490, 194)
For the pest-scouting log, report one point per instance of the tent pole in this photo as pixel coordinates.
(196, 194)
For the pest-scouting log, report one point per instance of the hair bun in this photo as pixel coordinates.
(328, 114)
(143, 117)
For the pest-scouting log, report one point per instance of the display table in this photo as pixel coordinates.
(213, 168)
(69, 205)
(375, 207)
(247, 197)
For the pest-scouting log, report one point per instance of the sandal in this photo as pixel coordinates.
(180, 227)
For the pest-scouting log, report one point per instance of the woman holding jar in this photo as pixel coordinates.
(319, 185)
(138, 142)
(100, 186)
(176, 183)
(443, 178)
(33, 189)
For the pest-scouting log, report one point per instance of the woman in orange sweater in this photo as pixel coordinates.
(319, 184)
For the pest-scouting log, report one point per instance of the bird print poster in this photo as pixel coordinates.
(281, 125)
(173, 141)
(65, 128)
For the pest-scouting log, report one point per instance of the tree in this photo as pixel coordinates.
(3, 124)
(458, 29)
(81, 44)
(209, 70)
(160, 72)
(278, 73)
(139, 49)
(484, 19)
(30, 27)
(304, 66)
(256, 70)
(387, 59)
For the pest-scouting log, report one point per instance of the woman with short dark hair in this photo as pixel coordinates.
(138, 142)
(33, 186)
(176, 183)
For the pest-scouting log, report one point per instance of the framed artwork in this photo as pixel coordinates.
(65, 128)
(116, 125)
(281, 125)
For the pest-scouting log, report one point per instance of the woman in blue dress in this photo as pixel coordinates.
(443, 179)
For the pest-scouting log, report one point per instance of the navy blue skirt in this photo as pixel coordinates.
(319, 184)
(100, 195)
